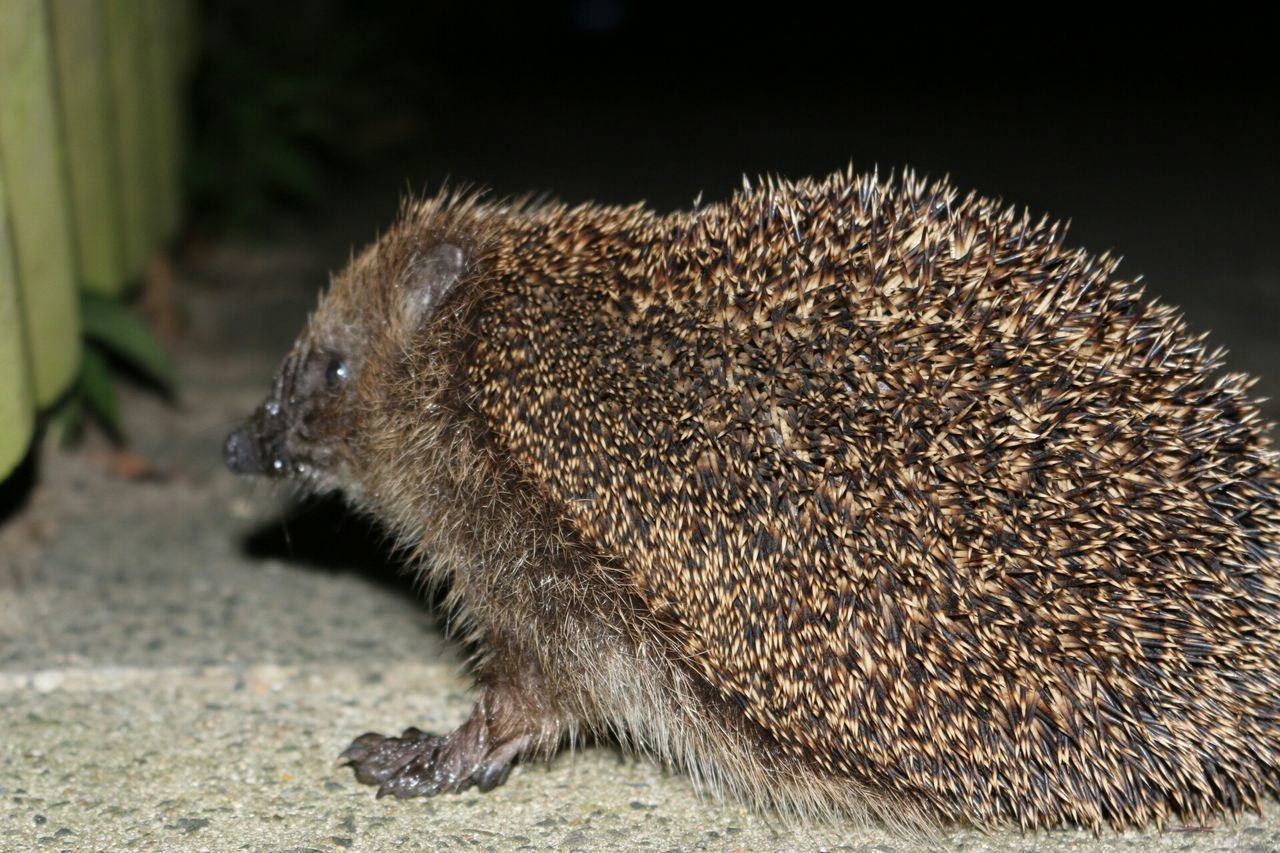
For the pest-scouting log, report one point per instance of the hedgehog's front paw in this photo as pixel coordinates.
(418, 764)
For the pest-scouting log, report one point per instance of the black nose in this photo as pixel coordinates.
(239, 455)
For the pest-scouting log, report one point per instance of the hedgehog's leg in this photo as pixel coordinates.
(510, 720)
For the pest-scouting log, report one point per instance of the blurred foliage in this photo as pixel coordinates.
(115, 341)
(286, 96)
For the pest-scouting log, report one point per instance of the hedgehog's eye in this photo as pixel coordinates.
(336, 372)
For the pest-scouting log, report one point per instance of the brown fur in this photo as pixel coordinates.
(851, 497)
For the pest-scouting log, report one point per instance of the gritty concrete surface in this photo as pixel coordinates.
(182, 657)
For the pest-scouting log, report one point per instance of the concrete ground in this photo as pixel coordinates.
(183, 656)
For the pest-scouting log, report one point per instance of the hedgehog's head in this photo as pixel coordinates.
(313, 427)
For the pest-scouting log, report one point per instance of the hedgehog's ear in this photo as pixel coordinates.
(427, 280)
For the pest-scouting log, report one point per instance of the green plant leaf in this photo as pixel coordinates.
(68, 417)
(98, 390)
(111, 325)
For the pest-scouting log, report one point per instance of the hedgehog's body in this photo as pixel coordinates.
(845, 495)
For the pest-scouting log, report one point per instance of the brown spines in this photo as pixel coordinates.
(938, 502)
(886, 484)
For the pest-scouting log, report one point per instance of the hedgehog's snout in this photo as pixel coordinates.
(257, 447)
(238, 453)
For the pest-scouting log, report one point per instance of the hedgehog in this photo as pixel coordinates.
(855, 498)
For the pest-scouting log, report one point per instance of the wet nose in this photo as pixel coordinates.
(239, 455)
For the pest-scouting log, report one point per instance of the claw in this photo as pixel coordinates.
(492, 775)
(421, 764)
(361, 747)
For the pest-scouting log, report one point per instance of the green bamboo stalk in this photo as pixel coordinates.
(84, 98)
(16, 405)
(187, 36)
(32, 168)
(126, 58)
(162, 67)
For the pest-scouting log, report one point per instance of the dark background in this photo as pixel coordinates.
(1157, 138)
